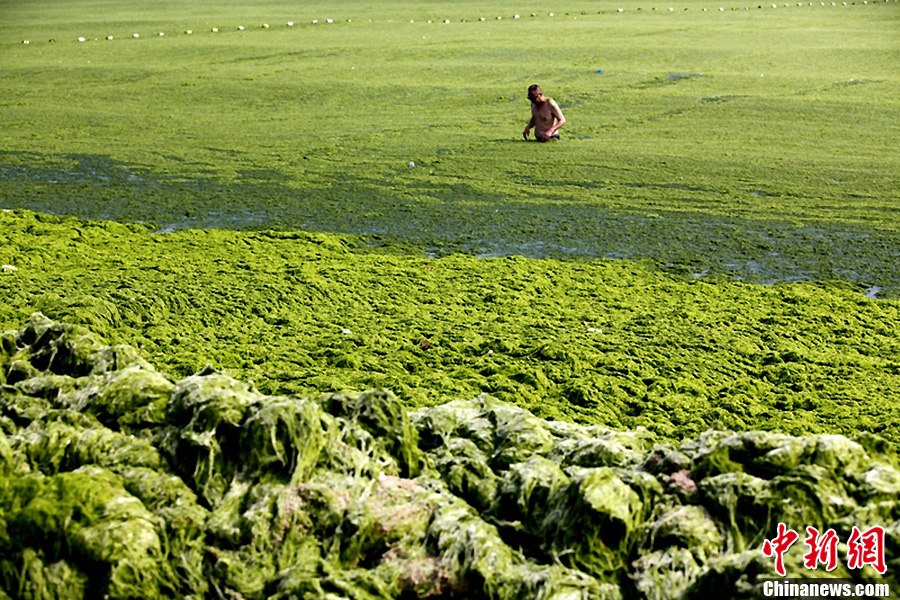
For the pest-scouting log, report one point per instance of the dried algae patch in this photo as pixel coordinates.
(239, 494)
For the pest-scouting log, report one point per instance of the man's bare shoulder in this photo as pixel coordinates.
(554, 108)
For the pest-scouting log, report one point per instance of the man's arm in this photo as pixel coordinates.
(528, 127)
(560, 118)
(557, 116)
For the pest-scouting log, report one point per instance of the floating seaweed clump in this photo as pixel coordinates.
(117, 482)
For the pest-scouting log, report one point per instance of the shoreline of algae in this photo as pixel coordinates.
(702, 146)
(608, 342)
(758, 241)
(119, 482)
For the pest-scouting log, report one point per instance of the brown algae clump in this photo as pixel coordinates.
(117, 482)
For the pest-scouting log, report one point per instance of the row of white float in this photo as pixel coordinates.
(330, 21)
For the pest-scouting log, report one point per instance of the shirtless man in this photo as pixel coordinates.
(546, 118)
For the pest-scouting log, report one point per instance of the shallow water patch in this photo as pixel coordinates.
(564, 219)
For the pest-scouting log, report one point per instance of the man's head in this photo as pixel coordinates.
(535, 93)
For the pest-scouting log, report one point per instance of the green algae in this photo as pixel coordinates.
(385, 419)
(86, 510)
(85, 514)
(681, 159)
(607, 342)
(702, 148)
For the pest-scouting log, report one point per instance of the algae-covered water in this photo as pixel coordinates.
(750, 142)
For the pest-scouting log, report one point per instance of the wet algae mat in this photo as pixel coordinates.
(280, 218)
(705, 148)
(610, 342)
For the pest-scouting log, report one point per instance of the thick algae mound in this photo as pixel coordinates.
(117, 482)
